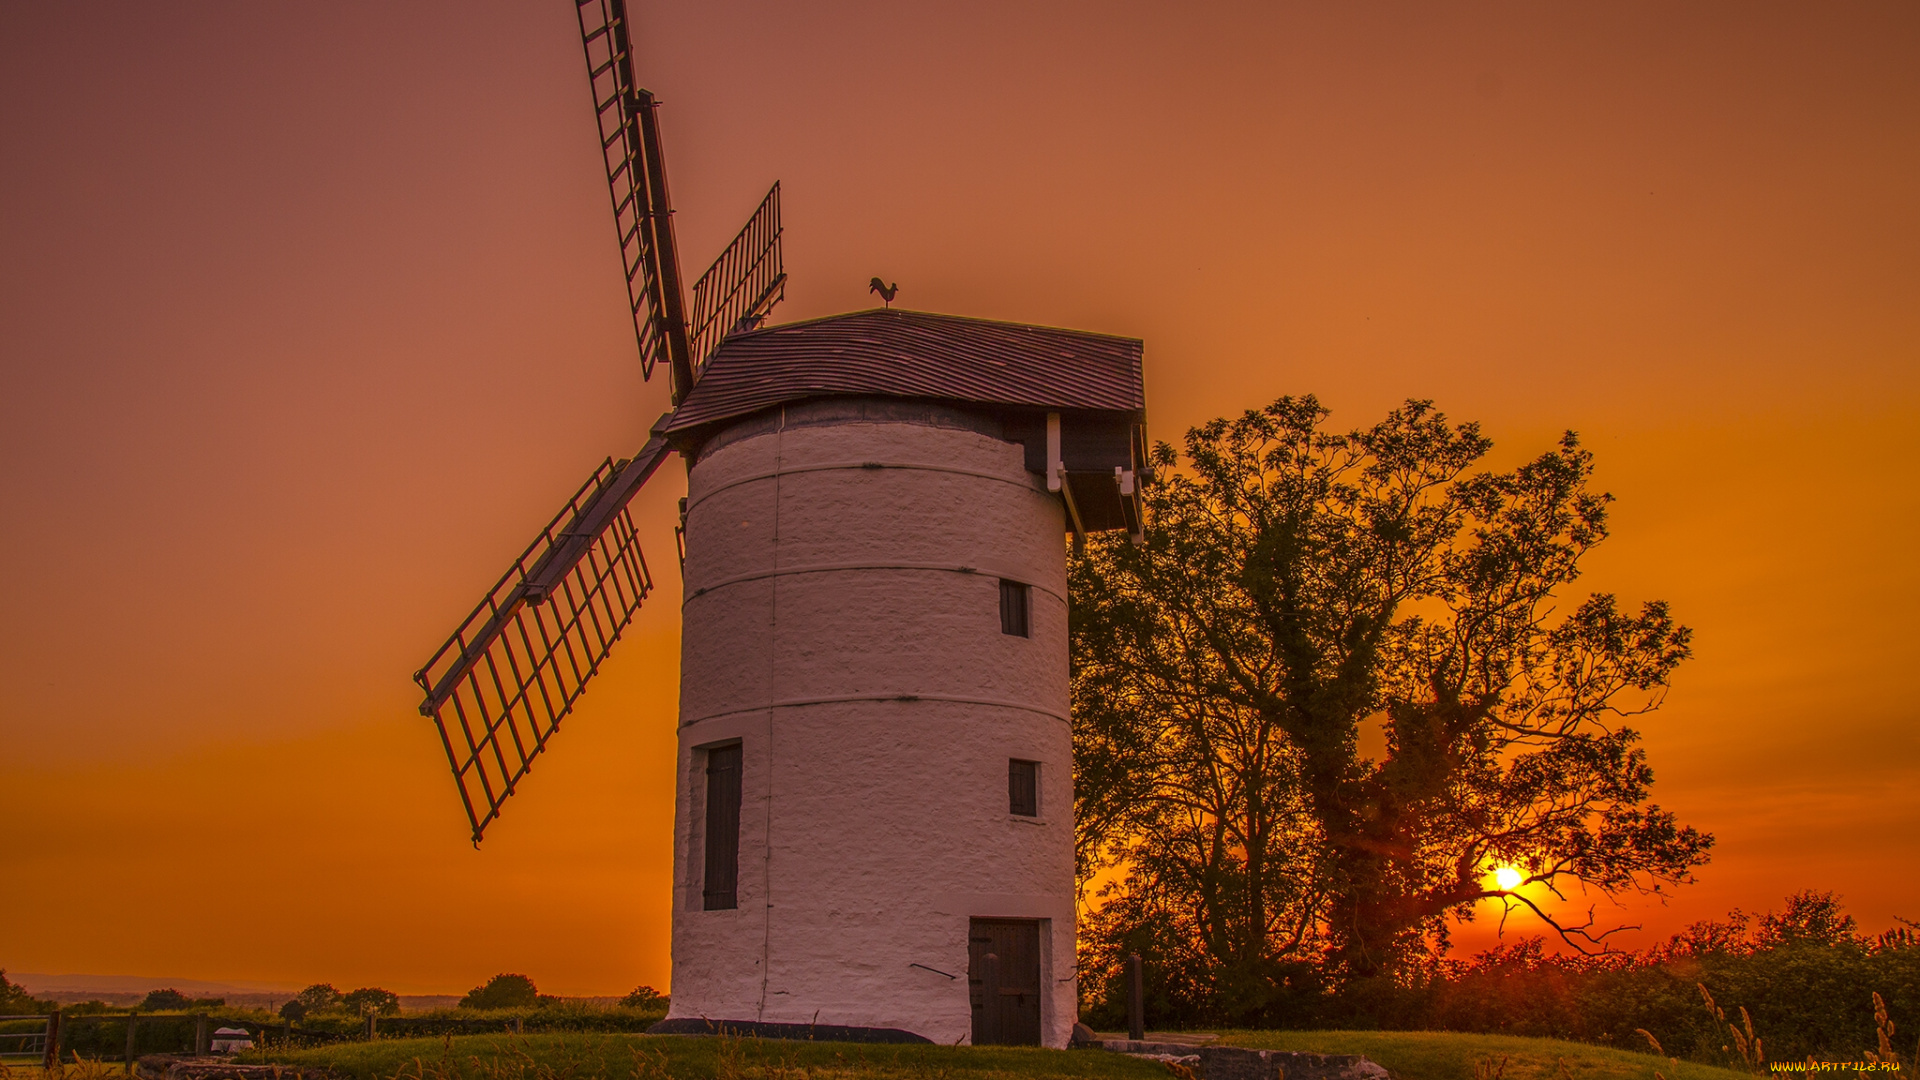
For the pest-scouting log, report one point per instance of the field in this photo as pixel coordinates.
(1444, 1055)
(1409, 1055)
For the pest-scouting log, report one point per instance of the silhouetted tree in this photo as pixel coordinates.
(317, 998)
(162, 1000)
(171, 1000)
(1810, 918)
(502, 992)
(15, 999)
(643, 997)
(1297, 585)
(371, 1000)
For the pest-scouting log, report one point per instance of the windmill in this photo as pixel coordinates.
(873, 818)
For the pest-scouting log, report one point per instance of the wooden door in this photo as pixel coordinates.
(1003, 981)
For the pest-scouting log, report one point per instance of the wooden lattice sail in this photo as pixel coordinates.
(500, 685)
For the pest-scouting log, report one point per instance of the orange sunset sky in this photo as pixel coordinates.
(311, 314)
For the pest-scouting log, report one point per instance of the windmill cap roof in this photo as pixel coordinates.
(915, 354)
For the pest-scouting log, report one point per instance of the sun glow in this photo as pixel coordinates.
(1508, 878)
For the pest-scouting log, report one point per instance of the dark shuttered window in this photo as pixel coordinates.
(1013, 608)
(722, 880)
(1023, 788)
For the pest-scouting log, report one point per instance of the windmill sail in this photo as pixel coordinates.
(502, 683)
(637, 181)
(743, 284)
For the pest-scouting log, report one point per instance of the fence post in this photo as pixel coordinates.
(518, 1028)
(53, 1040)
(370, 1028)
(1136, 999)
(133, 1021)
(200, 1035)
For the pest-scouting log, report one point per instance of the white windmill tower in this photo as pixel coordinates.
(874, 816)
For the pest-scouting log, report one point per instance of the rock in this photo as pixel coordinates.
(1149, 1048)
(188, 1067)
(1083, 1036)
(1235, 1063)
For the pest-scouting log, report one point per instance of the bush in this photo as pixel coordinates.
(1806, 977)
(551, 1016)
(644, 997)
(14, 1000)
(371, 1001)
(316, 998)
(171, 1000)
(502, 992)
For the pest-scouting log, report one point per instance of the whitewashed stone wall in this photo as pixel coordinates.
(842, 623)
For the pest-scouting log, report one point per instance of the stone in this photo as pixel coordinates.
(1153, 1048)
(191, 1067)
(1237, 1063)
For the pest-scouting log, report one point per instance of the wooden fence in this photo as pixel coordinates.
(129, 1036)
(28, 1037)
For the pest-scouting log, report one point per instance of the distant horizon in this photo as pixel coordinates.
(45, 982)
(42, 984)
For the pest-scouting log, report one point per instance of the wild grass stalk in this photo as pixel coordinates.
(82, 1068)
(1751, 1052)
(1658, 1049)
(1883, 1028)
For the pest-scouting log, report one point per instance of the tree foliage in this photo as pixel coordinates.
(644, 997)
(171, 1000)
(15, 1000)
(1807, 994)
(502, 992)
(371, 1001)
(317, 998)
(1299, 589)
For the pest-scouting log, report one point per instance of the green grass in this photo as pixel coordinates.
(91, 1070)
(660, 1057)
(1447, 1055)
(1409, 1055)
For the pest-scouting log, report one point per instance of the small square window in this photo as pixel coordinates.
(1023, 788)
(1013, 608)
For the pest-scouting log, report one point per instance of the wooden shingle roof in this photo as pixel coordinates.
(915, 354)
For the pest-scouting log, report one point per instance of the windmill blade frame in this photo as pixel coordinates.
(513, 669)
(637, 184)
(504, 680)
(743, 284)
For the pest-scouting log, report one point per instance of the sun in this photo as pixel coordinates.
(1508, 878)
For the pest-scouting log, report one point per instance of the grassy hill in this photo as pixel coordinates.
(1409, 1055)
(1446, 1055)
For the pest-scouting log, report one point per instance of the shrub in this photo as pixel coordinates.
(15, 1000)
(502, 992)
(171, 1000)
(371, 1001)
(1805, 976)
(644, 997)
(316, 998)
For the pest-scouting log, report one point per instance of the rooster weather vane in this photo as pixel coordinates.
(887, 292)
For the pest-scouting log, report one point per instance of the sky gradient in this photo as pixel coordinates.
(311, 315)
